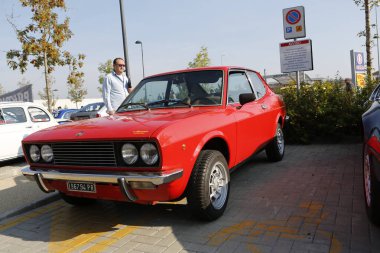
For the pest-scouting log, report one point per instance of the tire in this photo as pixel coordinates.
(276, 148)
(371, 188)
(209, 185)
(76, 201)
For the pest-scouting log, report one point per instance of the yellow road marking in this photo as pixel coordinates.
(28, 216)
(313, 215)
(336, 246)
(114, 238)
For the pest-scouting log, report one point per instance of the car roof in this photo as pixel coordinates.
(224, 68)
(17, 103)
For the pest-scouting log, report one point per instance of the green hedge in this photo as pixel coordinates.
(323, 111)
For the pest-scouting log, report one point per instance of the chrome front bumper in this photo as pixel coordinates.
(123, 180)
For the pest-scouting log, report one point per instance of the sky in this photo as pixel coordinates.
(243, 33)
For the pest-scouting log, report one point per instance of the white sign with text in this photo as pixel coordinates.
(296, 56)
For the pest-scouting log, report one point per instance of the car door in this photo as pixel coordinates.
(268, 106)
(15, 126)
(249, 135)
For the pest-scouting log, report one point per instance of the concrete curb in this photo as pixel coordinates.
(49, 199)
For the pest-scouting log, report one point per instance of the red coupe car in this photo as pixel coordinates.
(177, 135)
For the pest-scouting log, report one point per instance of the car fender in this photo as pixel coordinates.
(206, 138)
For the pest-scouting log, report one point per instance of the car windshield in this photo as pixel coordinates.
(92, 107)
(198, 88)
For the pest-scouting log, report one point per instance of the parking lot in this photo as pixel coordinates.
(312, 201)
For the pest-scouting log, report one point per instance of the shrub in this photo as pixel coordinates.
(323, 111)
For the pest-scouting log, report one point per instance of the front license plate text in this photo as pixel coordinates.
(81, 186)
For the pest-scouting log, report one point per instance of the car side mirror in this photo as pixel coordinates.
(246, 98)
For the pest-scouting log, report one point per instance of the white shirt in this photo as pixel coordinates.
(115, 90)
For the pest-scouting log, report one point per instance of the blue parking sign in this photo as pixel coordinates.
(288, 29)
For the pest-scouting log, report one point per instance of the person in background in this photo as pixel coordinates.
(116, 86)
(349, 85)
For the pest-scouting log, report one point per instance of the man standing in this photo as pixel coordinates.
(116, 86)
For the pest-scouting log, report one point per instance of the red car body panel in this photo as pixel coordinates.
(180, 134)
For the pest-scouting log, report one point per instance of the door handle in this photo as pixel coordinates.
(28, 127)
(264, 106)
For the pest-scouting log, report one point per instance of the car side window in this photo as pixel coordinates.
(38, 115)
(257, 84)
(14, 115)
(237, 84)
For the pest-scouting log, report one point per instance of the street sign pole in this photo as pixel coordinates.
(298, 79)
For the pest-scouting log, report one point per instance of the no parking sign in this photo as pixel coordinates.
(294, 22)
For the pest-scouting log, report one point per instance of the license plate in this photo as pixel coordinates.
(81, 187)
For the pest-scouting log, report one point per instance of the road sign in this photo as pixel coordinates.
(360, 79)
(357, 67)
(294, 22)
(359, 62)
(296, 56)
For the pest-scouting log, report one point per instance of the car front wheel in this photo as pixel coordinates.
(276, 148)
(371, 188)
(209, 185)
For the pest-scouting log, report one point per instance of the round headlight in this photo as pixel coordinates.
(149, 154)
(129, 153)
(34, 153)
(47, 153)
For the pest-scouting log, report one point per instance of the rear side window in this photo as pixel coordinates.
(237, 84)
(257, 84)
(13, 115)
(38, 115)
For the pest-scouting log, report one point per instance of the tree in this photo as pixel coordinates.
(52, 100)
(104, 69)
(41, 41)
(75, 79)
(2, 91)
(23, 83)
(367, 5)
(201, 60)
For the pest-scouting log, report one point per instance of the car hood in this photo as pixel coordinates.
(135, 125)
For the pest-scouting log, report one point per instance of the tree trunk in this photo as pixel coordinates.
(47, 86)
(368, 39)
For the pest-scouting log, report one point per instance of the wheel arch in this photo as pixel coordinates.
(219, 144)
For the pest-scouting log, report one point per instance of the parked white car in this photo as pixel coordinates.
(18, 120)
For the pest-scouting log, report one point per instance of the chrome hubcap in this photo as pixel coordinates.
(280, 141)
(367, 179)
(218, 186)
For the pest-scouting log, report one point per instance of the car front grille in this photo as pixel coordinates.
(84, 154)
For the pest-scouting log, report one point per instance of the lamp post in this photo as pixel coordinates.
(142, 55)
(126, 60)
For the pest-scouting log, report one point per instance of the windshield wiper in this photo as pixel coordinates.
(125, 106)
(167, 101)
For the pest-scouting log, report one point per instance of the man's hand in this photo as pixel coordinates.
(112, 112)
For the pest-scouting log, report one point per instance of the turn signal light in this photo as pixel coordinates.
(142, 185)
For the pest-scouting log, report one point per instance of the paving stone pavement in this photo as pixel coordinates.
(312, 201)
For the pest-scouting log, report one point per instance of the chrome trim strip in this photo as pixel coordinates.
(40, 183)
(156, 178)
(126, 189)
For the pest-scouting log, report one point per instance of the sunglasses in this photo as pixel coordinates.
(121, 65)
